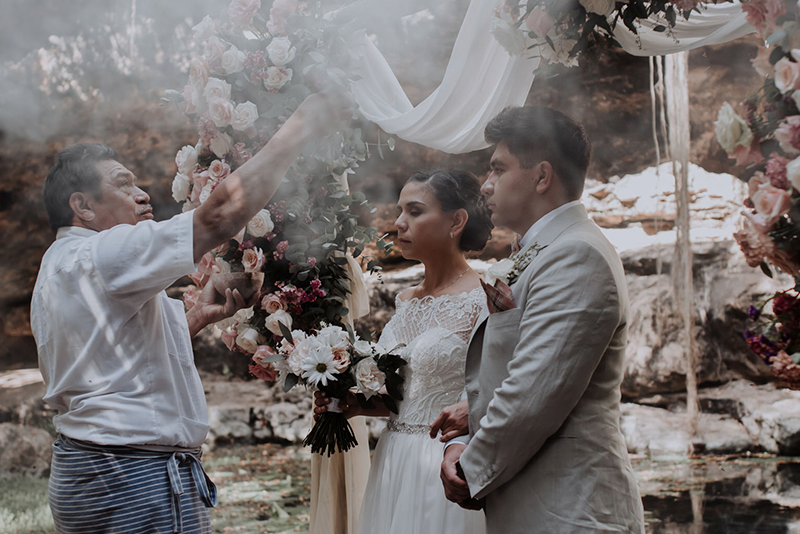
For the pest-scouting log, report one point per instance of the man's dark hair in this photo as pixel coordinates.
(74, 171)
(536, 134)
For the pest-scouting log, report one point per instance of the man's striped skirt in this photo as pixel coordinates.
(104, 489)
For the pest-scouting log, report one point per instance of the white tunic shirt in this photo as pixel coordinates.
(114, 350)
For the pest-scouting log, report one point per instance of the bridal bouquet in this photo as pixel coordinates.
(776, 337)
(561, 29)
(335, 361)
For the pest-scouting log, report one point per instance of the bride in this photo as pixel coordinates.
(441, 216)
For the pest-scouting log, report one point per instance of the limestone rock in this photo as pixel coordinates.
(25, 450)
(662, 433)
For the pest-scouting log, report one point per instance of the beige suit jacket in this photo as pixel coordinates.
(546, 450)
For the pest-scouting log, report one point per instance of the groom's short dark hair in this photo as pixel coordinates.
(536, 134)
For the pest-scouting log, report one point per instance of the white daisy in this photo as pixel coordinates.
(319, 366)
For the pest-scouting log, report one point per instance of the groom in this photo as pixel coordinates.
(543, 372)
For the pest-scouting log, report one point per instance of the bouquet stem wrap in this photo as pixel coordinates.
(331, 432)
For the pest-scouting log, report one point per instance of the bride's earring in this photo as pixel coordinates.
(451, 235)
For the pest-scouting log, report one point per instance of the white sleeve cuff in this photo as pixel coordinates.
(464, 440)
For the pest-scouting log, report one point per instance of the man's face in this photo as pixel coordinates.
(510, 190)
(121, 201)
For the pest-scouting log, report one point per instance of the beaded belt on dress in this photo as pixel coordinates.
(406, 428)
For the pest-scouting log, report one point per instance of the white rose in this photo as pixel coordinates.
(559, 54)
(206, 192)
(276, 78)
(243, 315)
(364, 347)
(302, 349)
(793, 173)
(203, 30)
(787, 75)
(186, 159)
(224, 266)
(220, 111)
(601, 7)
(180, 187)
(253, 260)
(732, 130)
(280, 316)
(261, 224)
(188, 206)
(499, 271)
(233, 60)
(508, 35)
(213, 49)
(244, 116)
(369, 378)
(217, 88)
(280, 51)
(334, 336)
(221, 145)
(248, 340)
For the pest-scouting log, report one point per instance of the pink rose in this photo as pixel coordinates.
(262, 353)
(539, 21)
(213, 50)
(283, 8)
(229, 338)
(190, 297)
(243, 11)
(272, 303)
(788, 135)
(218, 170)
(199, 73)
(268, 373)
(205, 269)
(341, 359)
(770, 204)
(787, 75)
(276, 26)
(253, 260)
(755, 181)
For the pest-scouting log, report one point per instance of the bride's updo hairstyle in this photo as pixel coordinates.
(457, 190)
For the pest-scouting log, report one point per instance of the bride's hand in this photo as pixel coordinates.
(453, 422)
(349, 405)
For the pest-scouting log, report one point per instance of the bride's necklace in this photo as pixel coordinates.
(451, 283)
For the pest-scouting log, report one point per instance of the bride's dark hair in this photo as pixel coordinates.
(457, 190)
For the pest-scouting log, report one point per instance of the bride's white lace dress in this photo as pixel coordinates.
(404, 493)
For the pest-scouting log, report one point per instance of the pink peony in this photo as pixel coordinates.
(755, 245)
(253, 260)
(770, 203)
(243, 11)
(272, 303)
(788, 135)
(755, 14)
(776, 171)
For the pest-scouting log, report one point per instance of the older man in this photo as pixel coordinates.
(115, 351)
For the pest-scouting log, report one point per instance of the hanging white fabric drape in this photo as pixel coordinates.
(481, 78)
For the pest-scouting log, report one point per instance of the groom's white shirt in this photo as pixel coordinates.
(536, 227)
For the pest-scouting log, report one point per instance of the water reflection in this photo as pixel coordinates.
(730, 495)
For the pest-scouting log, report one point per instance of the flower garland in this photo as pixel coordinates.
(766, 142)
(247, 75)
(560, 30)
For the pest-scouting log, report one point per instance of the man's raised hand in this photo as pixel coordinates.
(453, 422)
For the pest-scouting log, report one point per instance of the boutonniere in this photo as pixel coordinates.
(509, 269)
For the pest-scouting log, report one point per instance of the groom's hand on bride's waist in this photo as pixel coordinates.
(453, 421)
